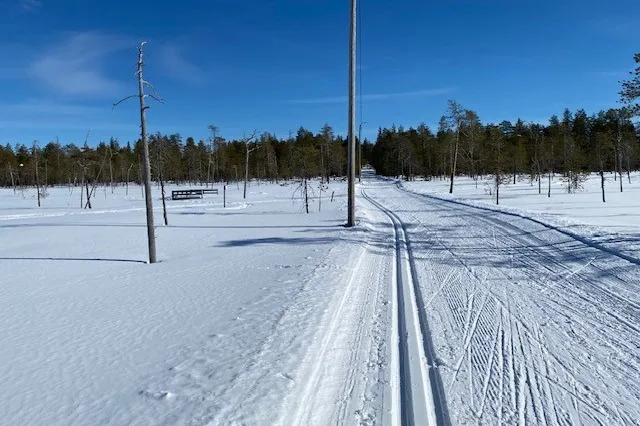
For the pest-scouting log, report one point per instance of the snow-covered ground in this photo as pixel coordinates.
(529, 323)
(443, 310)
(614, 224)
(219, 331)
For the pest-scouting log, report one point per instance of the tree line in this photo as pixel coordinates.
(571, 145)
(260, 156)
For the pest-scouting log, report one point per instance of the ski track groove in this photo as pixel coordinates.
(429, 383)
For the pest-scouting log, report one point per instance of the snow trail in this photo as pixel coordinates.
(530, 324)
(421, 396)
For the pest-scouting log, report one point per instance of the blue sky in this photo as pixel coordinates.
(274, 65)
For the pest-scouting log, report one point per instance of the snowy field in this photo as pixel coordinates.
(445, 310)
(93, 335)
(615, 223)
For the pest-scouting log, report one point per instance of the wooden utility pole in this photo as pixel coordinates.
(146, 163)
(351, 204)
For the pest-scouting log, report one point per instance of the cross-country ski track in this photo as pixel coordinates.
(529, 325)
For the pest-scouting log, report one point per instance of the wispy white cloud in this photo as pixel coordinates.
(75, 65)
(30, 5)
(376, 96)
(49, 108)
(177, 66)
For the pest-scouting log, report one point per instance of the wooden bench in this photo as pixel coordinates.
(186, 194)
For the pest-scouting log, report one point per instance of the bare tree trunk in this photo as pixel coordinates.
(127, 182)
(82, 189)
(306, 194)
(620, 168)
(145, 159)
(455, 159)
(602, 183)
(111, 168)
(246, 171)
(35, 155)
(86, 185)
(13, 182)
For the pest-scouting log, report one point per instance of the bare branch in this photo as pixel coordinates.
(154, 97)
(146, 83)
(86, 139)
(122, 100)
(251, 137)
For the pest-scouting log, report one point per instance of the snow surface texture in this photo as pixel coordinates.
(431, 310)
(246, 303)
(615, 223)
(530, 325)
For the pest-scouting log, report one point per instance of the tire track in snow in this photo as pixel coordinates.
(422, 400)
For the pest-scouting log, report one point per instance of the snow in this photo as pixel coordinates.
(614, 224)
(94, 335)
(530, 325)
(523, 313)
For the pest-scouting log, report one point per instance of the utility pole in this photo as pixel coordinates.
(360, 150)
(351, 204)
(146, 163)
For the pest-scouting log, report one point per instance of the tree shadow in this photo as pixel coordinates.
(276, 240)
(142, 225)
(74, 259)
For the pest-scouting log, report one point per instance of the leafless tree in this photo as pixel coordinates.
(248, 150)
(145, 147)
(212, 149)
(13, 182)
(454, 120)
(35, 159)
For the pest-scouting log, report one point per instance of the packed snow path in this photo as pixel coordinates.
(529, 325)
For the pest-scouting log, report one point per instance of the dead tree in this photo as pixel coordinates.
(110, 166)
(160, 153)
(246, 161)
(602, 145)
(145, 148)
(35, 159)
(454, 120)
(127, 182)
(212, 145)
(13, 182)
